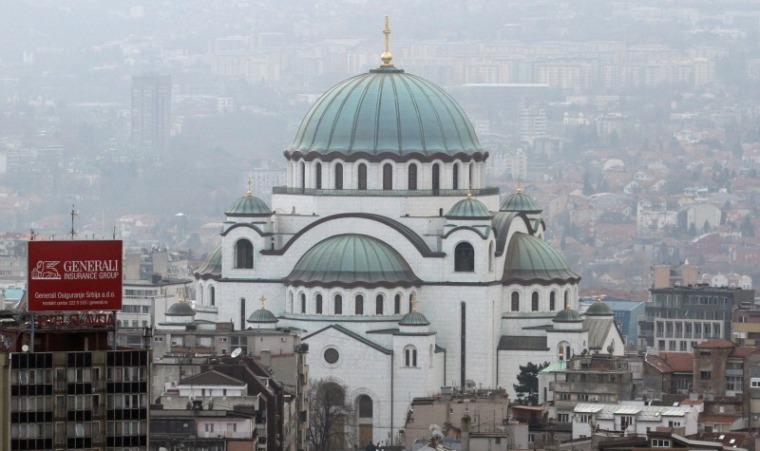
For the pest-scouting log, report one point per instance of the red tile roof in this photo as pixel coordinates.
(707, 418)
(681, 362)
(716, 343)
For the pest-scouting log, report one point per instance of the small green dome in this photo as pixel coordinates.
(567, 315)
(532, 260)
(386, 113)
(212, 267)
(180, 309)
(350, 260)
(599, 308)
(414, 319)
(469, 208)
(262, 315)
(249, 205)
(519, 202)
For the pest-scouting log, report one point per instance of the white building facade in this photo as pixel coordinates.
(402, 269)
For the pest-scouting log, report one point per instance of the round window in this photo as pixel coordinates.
(331, 355)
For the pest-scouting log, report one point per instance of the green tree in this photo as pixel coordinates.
(528, 378)
(747, 228)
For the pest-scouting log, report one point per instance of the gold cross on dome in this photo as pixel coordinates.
(262, 299)
(386, 57)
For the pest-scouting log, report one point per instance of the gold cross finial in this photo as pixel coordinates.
(469, 191)
(414, 303)
(519, 186)
(386, 57)
(262, 299)
(250, 188)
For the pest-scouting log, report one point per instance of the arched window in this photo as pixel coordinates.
(552, 302)
(338, 176)
(469, 174)
(567, 299)
(303, 303)
(411, 298)
(412, 176)
(464, 258)
(455, 176)
(365, 406)
(338, 304)
(200, 293)
(290, 299)
(243, 254)
(410, 357)
(436, 179)
(397, 304)
(515, 301)
(303, 175)
(387, 176)
(359, 305)
(490, 257)
(212, 295)
(379, 304)
(318, 175)
(362, 176)
(319, 304)
(534, 301)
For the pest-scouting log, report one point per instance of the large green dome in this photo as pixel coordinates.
(386, 113)
(532, 260)
(352, 260)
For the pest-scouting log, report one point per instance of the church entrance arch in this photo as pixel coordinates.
(365, 407)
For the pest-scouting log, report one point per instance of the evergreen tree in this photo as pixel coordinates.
(528, 378)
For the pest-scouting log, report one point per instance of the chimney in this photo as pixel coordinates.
(466, 431)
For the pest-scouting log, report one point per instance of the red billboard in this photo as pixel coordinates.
(74, 275)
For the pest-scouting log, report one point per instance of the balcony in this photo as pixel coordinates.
(487, 191)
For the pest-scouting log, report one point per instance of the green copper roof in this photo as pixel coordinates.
(180, 309)
(414, 319)
(567, 315)
(249, 205)
(532, 260)
(599, 308)
(385, 113)
(519, 202)
(262, 315)
(212, 267)
(352, 259)
(469, 208)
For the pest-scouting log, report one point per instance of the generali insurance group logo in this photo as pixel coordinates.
(46, 270)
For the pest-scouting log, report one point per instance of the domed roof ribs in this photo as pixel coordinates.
(338, 116)
(399, 138)
(423, 134)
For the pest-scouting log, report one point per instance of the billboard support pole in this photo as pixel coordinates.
(31, 341)
(114, 330)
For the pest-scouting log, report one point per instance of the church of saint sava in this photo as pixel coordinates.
(402, 269)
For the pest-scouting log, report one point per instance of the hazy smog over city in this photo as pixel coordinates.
(341, 223)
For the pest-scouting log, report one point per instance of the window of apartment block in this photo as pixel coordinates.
(705, 375)
(734, 383)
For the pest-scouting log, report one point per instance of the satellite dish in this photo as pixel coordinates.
(25, 348)
(236, 353)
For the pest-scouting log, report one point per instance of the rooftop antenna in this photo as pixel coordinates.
(73, 215)
(114, 232)
(32, 235)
